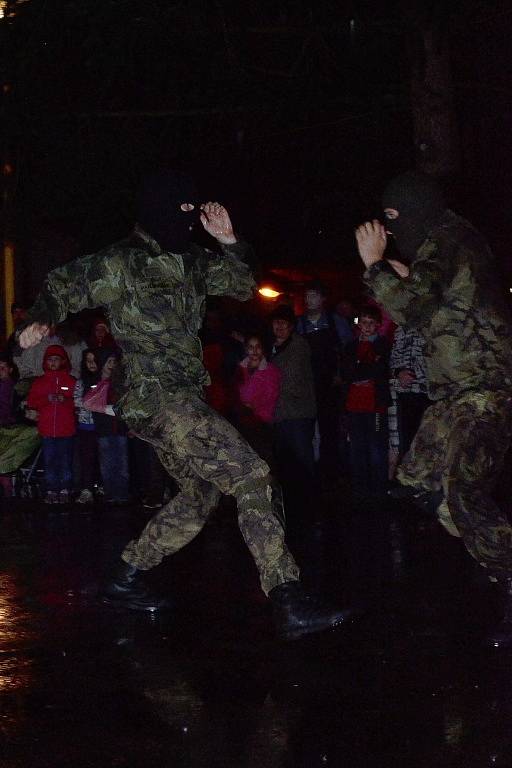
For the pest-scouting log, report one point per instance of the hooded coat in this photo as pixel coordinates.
(56, 419)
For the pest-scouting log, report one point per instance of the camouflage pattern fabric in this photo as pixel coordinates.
(460, 447)
(453, 299)
(155, 301)
(207, 457)
(17, 444)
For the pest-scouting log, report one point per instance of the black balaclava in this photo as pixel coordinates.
(420, 204)
(159, 213)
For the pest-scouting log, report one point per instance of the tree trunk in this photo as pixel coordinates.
(432, 103)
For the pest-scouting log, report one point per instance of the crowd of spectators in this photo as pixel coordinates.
(326, 398)
(49, 397)
(321, 396)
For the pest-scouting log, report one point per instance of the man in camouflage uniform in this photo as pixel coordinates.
(154, 286)
(449, 295)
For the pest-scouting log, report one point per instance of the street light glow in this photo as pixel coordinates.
(269, 293)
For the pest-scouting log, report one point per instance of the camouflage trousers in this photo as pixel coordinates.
(207, 457)
(459, 448)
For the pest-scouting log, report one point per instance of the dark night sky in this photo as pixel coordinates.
(292, 113)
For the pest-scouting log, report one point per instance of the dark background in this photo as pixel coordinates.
(293, 114)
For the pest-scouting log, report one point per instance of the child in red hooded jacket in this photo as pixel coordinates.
(51, 395)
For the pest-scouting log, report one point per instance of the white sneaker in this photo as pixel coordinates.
(86, 497)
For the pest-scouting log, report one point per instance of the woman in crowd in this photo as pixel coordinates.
(257, 385)
(111, 430)
(86, 434)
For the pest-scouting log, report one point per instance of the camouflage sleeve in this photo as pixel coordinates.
(413, 297)
(230, 273)
(92, 281)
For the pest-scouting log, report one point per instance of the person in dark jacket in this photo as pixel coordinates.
(51, 395)
(365, 373)
(295, 412)
(294, 428)
(326, 335)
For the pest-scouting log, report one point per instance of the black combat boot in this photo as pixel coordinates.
(297, 612)
(501, 635)
(126, 589)
(425, 501)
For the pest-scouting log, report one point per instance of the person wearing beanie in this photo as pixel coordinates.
(444, 287)
(153, 287)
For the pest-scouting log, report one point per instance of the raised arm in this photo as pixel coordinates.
(410, 299)
(229, 273)
(85, 283)
(407, 294)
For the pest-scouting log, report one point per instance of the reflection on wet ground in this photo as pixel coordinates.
(85, 686)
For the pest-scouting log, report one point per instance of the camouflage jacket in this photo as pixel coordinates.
(155, 302)
(452, 297)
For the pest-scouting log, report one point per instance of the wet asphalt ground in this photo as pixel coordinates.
(207, 684)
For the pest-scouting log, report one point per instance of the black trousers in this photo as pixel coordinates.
(411, 407)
